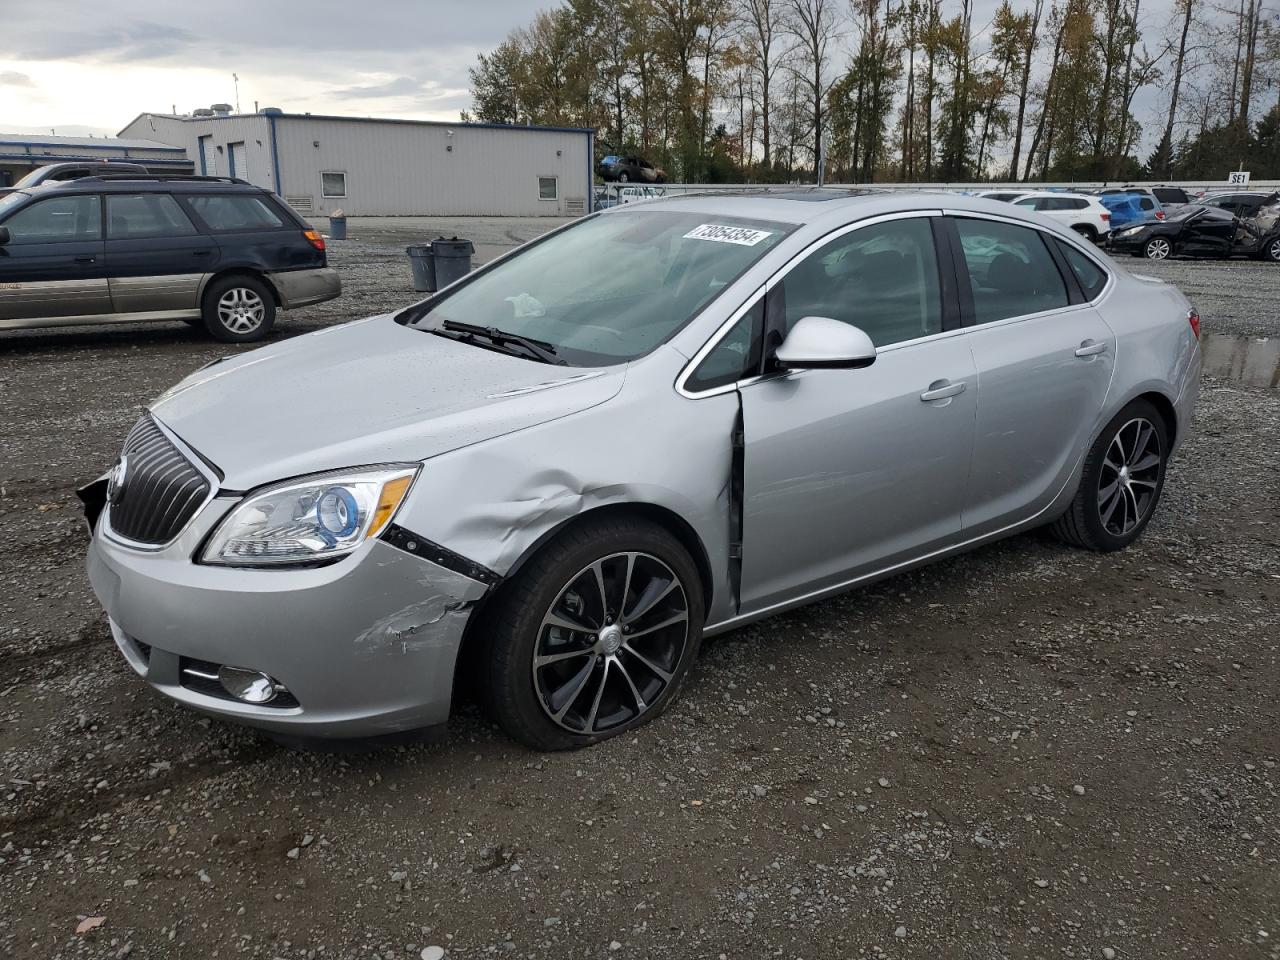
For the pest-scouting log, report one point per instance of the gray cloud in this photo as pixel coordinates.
(400, 86)
(12, 78)
(135, 40)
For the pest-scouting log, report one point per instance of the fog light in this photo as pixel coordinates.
(250, 686)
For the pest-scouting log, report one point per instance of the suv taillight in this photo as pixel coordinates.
(1159, 214)
(315, 239)
(1105, 217)
(1193, 318)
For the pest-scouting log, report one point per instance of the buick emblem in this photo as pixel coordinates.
(115, 480)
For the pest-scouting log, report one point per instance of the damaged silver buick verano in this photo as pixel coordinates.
(654, 424)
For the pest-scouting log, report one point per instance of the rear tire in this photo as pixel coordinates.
(238, 309)
(623, 178)
(1087, 232)
(1272, 250)
(1121, 483)
(630, 657)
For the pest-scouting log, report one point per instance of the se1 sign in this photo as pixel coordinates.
(1238, 178)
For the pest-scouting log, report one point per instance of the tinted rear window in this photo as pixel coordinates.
(235, 212)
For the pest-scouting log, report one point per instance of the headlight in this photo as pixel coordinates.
(1130, 231)
(315, 518)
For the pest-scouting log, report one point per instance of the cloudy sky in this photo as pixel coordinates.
(92, 67)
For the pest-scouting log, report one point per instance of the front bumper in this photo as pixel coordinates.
(1118, 244)
(366, 645)
(298, 288)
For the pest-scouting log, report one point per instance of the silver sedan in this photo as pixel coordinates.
(565, 472)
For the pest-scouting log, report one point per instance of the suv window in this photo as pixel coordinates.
(734, 357)
(1146, 203)
(1010, 270)
(234, 212)
(882, 278)
(1091, 277)
(135, 216)
(57, 219)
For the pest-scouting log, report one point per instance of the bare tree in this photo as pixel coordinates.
(761, 23)
(1030, 41)
(1166, 145)
(813, 23)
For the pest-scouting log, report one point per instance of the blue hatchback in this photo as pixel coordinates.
(1131, 207)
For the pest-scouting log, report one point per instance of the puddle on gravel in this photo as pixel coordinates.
(1246, 359)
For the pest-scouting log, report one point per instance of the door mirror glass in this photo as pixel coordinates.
(824, 342)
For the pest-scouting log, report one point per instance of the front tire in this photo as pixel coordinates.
(1157, 248)
(1272, 251)
(594, 636)
(1121, 483)
(623, 178)
(238, 309)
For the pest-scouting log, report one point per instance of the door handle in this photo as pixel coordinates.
(85, 259)
(201, 253)
(1091, 348)
(942, 390)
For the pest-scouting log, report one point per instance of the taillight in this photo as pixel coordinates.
(1105, 217)
(315, 239)
(1193, 318)
(1159, 214)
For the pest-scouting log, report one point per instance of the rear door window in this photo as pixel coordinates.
(1091, 277)
(142, 215)
(234, 213)
(1011, 271)
(57, 219)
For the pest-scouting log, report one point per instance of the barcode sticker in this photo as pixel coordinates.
(743, 236)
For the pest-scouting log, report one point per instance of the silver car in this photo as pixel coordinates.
(567, 474)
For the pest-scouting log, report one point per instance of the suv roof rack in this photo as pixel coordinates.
(167, 177)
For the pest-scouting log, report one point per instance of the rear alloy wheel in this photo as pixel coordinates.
(238, 309)
(594, 636)
(1157, 248)
(1121, 483)
(1273, 251)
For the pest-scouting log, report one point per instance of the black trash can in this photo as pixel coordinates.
(424, 267)
(453, 259)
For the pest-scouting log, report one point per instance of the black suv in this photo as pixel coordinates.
(206, 250)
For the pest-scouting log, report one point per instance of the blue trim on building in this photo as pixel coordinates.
(275, 156)
(204, 164)
(591, 193)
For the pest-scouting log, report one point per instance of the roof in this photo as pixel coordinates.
(90, 143)
(125, 183)
(850, 206)
(323, 116)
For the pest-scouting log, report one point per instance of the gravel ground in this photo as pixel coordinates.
(1029, 751)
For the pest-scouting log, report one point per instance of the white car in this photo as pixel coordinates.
(1082, 213)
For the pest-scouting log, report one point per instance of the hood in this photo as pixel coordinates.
(371, 391)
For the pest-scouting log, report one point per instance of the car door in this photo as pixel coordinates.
(53, 264)
(1208, 233)
(850, 471)
(156, 256)
(1044, 358)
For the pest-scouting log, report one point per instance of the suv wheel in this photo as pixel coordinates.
(1086, 231)
(238, 309)
(594, 636)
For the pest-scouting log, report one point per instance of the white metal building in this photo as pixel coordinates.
(21, 153)
(375, 167)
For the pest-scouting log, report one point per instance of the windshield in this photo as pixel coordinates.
(612, 287)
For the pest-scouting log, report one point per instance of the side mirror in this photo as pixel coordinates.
(4, 235)
(823, 342)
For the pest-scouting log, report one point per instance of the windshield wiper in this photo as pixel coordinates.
(540, 349)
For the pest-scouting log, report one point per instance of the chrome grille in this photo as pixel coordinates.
(160, 491)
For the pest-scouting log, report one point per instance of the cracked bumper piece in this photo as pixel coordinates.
(298, 288)
(364, 647)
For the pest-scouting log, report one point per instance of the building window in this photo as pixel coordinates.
(548, 188)
(333, 184)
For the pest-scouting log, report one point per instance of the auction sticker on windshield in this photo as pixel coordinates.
(743, 236)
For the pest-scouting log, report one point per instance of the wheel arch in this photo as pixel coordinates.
(465, 666)
(224, 272)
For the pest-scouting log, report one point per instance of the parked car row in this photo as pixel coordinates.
(211, 251)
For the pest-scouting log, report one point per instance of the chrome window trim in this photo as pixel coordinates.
(1093, 257)
(197, 461)
(777, 277)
